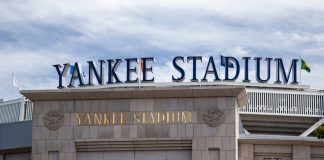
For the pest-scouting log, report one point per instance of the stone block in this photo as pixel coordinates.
(205, 130)
(149, 103)
(221, 130)
(218, 142)
(109, 105)
(194, 144)
(35, 120)
(93, 132)
(226, 143)
(200, 117)
(46, 107)
(229, 116)
(53, 134)
(78, 105)
(194, 115)
(210, 142)
(86, 107)
(36, 157)
(125, 105)
(67, 119)
(68, 156)
(37, 133)
(85, 132)
(34, 147)
(69, 106)
(230, 129)
(57, 145)
(165, 130)
(223, 155)
(205, 155)
(61, 133)
(117, 132)
(157, 105)
(65, 146)
(62, 106)
(165, 104)
(116, 105)
(213, 101)
(133, 105)
(233, 143)
(222, 103)
(45, 133)
(141, 131)
(213, 131)
(54, 106)
(68, 133)
(230, 155)
(49, 145)
(38, 107)
(109, 132)
(181, 104)
(152, 131)
(231, 103)
(173, 131)
(201, 143)
(141, 105)
(189, 130)
(205, 104)
(181, 130)
(94, 106)
(72, 146)
(189, 104)
(133, 131)
(196, 155)
(41, 146)
(77, 132)
(197, 104)
(125, 131)
(197, 130)
(101, 132)
(102, 106)
(173, 104)
(40, 120)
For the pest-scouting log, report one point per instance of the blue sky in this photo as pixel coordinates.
(34, 35)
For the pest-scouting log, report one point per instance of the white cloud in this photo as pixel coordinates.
(39, 34)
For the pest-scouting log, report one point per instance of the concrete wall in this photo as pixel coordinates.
(216, 142)
(280, 152)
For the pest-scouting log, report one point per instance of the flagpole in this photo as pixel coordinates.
(300, 71)
(220, 61)
(12, 75)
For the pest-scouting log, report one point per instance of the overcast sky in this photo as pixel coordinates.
(34, 35)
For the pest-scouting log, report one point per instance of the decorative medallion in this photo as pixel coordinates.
(53, 120)
(213, 117)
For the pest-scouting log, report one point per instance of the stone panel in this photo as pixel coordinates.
(207, 142)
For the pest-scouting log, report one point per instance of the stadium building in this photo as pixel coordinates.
(183, 121)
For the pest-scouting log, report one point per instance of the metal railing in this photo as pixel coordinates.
(16, 110)
(284, 102)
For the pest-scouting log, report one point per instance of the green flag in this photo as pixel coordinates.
(305, 66)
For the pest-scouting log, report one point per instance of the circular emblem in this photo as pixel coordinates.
(53, 120)
(213, 117)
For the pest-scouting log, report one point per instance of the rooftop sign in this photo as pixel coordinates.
(140, 70)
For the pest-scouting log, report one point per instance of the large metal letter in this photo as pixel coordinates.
(179, 69)
(62, 73)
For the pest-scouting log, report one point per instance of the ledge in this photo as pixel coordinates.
(91, 93)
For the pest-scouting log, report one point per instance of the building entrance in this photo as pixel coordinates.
(136, 155)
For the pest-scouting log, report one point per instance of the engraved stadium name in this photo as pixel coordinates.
(123, 118)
